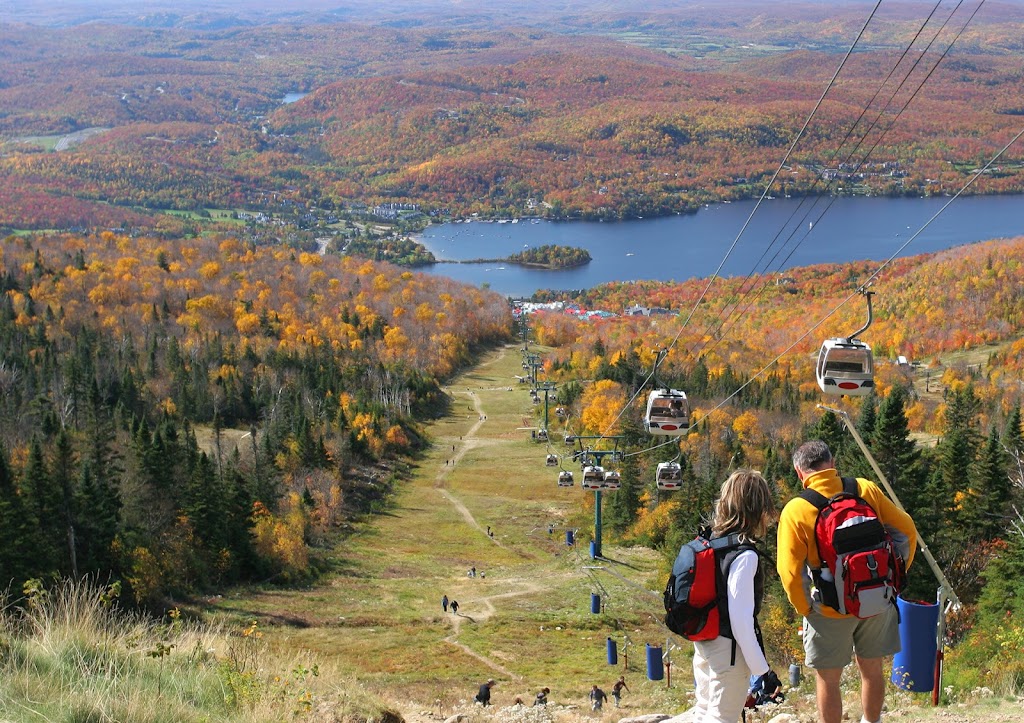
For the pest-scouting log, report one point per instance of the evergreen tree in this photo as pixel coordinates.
(989, 496)
(18, 539)
(100, 521)
(947, 517)
(896, 452)
(63, 474)
(621, 508)
(43, 503)
(830, 431)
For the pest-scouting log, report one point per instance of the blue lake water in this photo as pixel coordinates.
(292, 97)
(783, 233)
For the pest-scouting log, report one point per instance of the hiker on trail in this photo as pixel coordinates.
(454, 605)
(489, 531)
(542, 697)
(723, 666)
(472, 572)
(483, 696)
(444, 604)
(617, 689)
(831, 637)
(597, 698)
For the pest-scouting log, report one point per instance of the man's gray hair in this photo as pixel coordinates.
(813, 455)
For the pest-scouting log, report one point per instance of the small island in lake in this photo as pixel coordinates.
(551, 256)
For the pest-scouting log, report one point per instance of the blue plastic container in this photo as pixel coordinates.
(569, 538)
(913, 668)
(593, 550)
(613, 653)
(595, 603)
(655, 665)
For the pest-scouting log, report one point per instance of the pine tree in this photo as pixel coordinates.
(990, 490)
(18, 539)
(621, 508)
(896, 452)
(43, 507)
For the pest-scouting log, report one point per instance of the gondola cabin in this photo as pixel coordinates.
(565, 478)
(668, 413)
(845, 368)
(593, 477)
(669, 476)
(560, 412)
(542, 435)
(551, 460)
(569, 440)
(612, 480)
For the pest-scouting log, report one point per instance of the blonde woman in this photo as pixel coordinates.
(722, 667)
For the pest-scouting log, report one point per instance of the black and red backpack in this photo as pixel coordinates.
(695, 597)
(861, 572)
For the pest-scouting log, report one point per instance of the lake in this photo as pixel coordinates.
(798, 232)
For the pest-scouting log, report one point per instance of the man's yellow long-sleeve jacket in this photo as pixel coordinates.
(798, 552)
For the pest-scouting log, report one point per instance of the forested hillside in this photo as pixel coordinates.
(946, 429)
(108, 126)
(298, 372)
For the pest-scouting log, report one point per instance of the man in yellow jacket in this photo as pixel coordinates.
(831, 638)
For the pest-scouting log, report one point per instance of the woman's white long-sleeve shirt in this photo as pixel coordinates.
(740, 592)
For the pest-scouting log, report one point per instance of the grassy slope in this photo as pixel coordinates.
(527, 623)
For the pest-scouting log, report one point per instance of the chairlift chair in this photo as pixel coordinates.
(593, 477)
(565, 478)
(551, 460)
(612, 480)
(669, 476)
(668, 413)
(845, 366)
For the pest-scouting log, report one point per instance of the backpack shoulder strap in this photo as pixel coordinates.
(814, 497)
(719, 544)
(851, 487)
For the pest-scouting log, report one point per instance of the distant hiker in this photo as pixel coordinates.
(482, 574)
(444, 604)
(617, 689)
(453, 447)
(597, 698)
(454, 605)
(483, 696)
(542, 697)
(551, 529)
(472, 572)
(489, 531)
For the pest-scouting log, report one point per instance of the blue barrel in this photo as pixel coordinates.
(569, 538)
(655, 665)
(794, 675)
(593, 549)
(595, 603)
(613, 653)
(913, 668)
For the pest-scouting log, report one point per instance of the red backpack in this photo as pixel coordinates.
(695, 594)
(861, 573)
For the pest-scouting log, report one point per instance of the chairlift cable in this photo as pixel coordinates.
(870, 278)
(711, 330)
(746, 223)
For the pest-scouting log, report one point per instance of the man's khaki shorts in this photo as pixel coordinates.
(831, 642)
